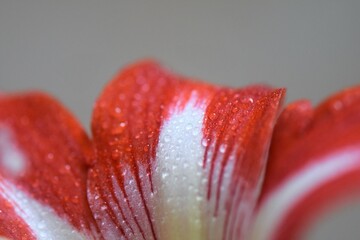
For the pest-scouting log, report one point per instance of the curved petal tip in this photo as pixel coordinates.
(177, 158)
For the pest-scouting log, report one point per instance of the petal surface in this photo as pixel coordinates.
(9, 219)
(43, 170)
(314, 167)
(178, 159)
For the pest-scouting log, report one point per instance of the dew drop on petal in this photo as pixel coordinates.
(204, 142)
(164, 175)
(167, 138)
(222, 148)
(212, 116)
(117, 110)
(337, 105)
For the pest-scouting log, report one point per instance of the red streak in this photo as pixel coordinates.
(239, 123)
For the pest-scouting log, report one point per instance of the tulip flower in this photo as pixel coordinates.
(175, 158)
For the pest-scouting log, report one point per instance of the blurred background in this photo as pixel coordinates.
(71, 49)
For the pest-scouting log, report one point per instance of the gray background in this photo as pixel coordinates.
(71, 48)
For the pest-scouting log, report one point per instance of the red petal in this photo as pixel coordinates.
(43, 154)
(178, 158)
(321, 144)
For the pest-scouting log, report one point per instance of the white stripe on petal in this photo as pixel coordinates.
(11, 159)
(179, 178)
(285, 197)
(42, 220)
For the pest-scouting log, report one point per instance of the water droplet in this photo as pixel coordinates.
(222, 148)
(188, 127)
(115, 153)
(55, 179)
(41, 224)
(77, 183)
(117, 110)
(204, 142)
(105, 125)
(167, 138)
(50, 156)
(43, 235)
(237, 95)
(232, 121)
(146, 148)
(337, 105)
(119, 129)
(164, 175)
(75, 199)
(212, 116)
(152, 195)
(145, 87)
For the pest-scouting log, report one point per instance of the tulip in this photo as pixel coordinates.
(175, 158)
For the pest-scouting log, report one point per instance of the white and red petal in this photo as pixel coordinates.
(43, 171)
(12, 226)
(178, 159)
(314, 167)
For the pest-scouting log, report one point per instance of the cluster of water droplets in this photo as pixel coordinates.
(179, 180)
(42, 220)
